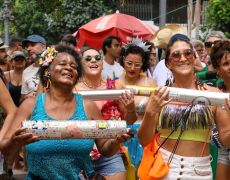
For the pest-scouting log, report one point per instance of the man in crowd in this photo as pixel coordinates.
(112, 51)
(4, 58)
(35, 45)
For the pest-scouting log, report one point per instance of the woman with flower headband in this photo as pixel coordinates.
(59, 159)
(220, 58)
(112, 167)
(184, 129)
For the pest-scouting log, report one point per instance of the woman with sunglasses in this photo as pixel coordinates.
(14, 83)
(212, 38)
(220, 58)
(184, 129)
(112, 167)
(135, 62)
(59, 159)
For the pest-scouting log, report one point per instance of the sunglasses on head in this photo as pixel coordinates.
(209, 44)
(176, 55)
(89, 58)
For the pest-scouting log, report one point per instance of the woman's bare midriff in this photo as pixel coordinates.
(187, 148)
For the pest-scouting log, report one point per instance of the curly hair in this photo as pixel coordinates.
(134, 49)
(218, 51)
(62, 48)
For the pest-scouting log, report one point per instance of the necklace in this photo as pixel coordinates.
(92, 86)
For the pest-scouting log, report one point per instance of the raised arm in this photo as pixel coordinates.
(14, 137)
(156, 101)
(9, 108)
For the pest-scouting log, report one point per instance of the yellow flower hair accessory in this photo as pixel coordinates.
(47, 56)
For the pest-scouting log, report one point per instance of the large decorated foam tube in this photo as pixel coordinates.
(75, 129)
(177, 94)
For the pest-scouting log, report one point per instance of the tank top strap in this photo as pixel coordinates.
(9, 77)
(80, 111)
(39, 110)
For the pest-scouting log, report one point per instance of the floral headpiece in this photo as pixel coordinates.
(138, 42)
(47, 56)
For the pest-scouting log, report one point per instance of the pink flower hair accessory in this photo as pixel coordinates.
(47, 56)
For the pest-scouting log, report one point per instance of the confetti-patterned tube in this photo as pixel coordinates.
(75, 129)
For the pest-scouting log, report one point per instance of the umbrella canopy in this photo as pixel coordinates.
(124, 26)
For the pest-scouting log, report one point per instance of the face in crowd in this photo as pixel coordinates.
(19, 62)
(3, 55)
(201, 52)
(65, 69)
(92, 62)
(34, 49)
(210, 41)
(133, 62)
(152, 57)
(220, 57)
(180, 58)
(115, 49)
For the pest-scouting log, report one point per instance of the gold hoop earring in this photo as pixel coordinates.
(47, 81)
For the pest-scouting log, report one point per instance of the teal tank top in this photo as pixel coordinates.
(58, 159)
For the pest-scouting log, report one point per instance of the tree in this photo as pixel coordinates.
(70, 15)
(218, 15)
(54, 18)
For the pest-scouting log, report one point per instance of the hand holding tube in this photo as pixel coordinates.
(157, 100)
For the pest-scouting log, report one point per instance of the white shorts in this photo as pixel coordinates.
(188, 168)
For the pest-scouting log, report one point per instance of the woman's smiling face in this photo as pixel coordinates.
(64, 69)
(92, 62)
(224, 67)
(181, 59)
(132, 65)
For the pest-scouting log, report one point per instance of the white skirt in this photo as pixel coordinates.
(187, 168)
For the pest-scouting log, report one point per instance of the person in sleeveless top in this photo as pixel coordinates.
(184, 128)
(14, 77)
(112, 167)
(220, 58)
(14, 83)
(136, 62)
(59, 159)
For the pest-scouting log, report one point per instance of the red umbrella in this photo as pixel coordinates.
(124, 26)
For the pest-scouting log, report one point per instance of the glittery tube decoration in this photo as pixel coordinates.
(75, 129)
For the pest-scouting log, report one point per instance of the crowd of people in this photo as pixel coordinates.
(40, 82)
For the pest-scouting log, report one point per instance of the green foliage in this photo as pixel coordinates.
(218, 13)
(54, 18)
(70, 15)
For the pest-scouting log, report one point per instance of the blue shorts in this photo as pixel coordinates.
(110, 165)
(224, 156)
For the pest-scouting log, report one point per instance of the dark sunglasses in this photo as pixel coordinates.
(209, 44)
(176, 55)
(89, 58)
(19, 59)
